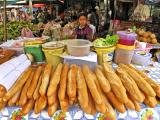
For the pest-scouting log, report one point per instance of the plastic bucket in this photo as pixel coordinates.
(36, 51)
(53, 54)
(105, 54)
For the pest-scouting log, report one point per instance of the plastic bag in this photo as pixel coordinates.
(26, 32)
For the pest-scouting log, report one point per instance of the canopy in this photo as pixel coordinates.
(12, 6)
(9, 2)
(152, 1)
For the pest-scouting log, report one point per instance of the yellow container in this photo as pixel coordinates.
(53, 54)
(125, 47)
(105, 54)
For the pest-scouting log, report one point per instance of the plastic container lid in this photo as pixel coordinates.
(126, 36)
(141, 58)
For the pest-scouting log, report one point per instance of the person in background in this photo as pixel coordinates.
(93, 18)
(93, 29)
(47, 16)
(83, 31)
(41, 16)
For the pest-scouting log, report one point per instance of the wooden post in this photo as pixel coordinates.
(5, 20)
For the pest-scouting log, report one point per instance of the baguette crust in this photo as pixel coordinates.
(104, 83)
(130, 85)
(63, 83)
(23, 97)
(28, 107)
(45, 79)
(142, 84)
(117, 104)
(116, 84)
(90, 80)
(55, 79)
(82, 88)
(52, 109)
(71, 85)
(153, 84)
(18, 84)
(34, 82)
(36, 94)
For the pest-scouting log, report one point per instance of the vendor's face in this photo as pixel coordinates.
(82, 21)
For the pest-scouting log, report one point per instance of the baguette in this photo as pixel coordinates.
(91, 105)
(71, 85)
(130, 105)
(87, 109)
(110, 113)
(36, 93)
(142, 84)
(91, 84)
(36, 111)
(150, 101)
(3, 91)
(52, 99)
(82, 88)
(2, 104)
(117, 104)
(63, 83)
(15, 98)
(116, 84)
(55, 79)
(158, 100)
(64, 104)
(153, 83)
(34, 82)
(102, 80)
(18, 84)
(42, 103)
(52, 109)
(71, 102)
(130, 85)
(45, 79)
(28, 107)
(100, 107)
(136, 104)
(23, 96)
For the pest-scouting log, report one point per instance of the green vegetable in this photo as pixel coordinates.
(106, 42)
(14, 29)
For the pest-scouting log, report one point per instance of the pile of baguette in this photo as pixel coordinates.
(44, 87)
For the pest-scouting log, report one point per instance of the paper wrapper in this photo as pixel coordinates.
(11, 65)
(10, 75)
(18, 60)
(10, 79)
(5, 69)
(23, 66)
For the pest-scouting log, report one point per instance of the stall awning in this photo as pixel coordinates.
(9, 2)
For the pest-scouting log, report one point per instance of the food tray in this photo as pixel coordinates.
(5, 55)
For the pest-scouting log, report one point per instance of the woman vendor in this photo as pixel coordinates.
(83, 31)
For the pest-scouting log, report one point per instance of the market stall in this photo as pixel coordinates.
(112, 78)
(53, 77)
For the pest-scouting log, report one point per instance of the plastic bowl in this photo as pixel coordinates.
(78, 47)
(142, 58)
